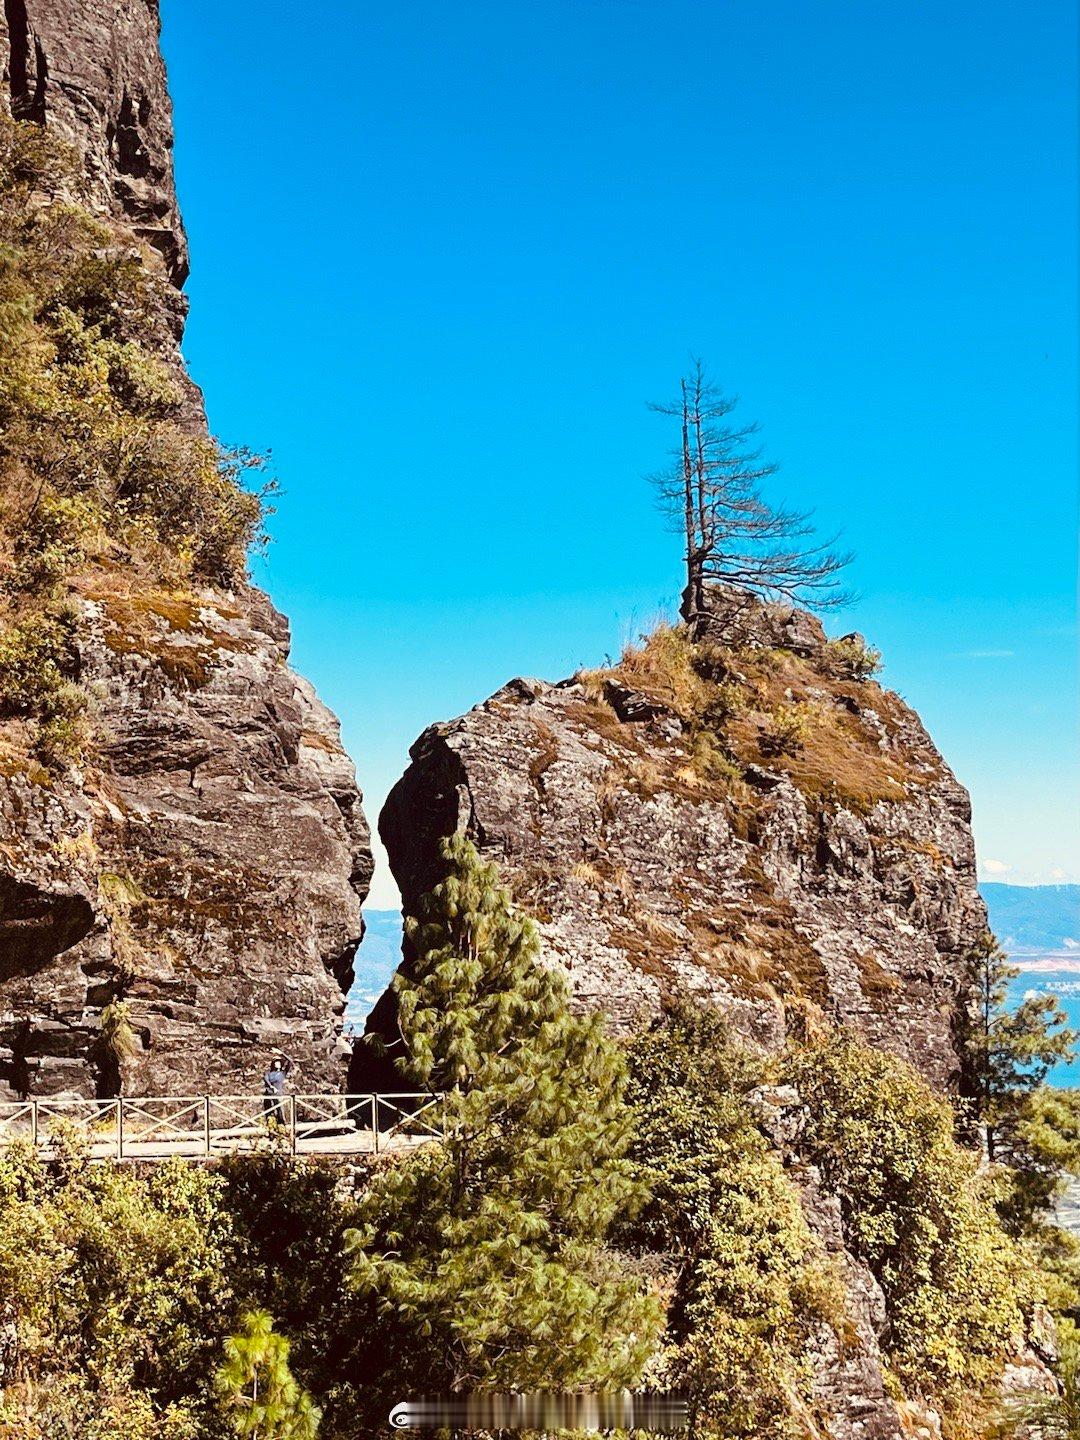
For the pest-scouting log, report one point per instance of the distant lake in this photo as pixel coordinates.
(376, 961)
(1064, 986)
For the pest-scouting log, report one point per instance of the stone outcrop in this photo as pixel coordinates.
(736, 812)
(93, 73)
(667, 833)
(208, 865)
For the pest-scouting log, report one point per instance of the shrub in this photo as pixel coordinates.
(916, 1210)
(87, 409)
(37, 656)
(116, 1032)
(851, 658)
(61, 737)
(752, 1288)
(32, 157)
(725, 700)
(117, 1285)
(786, 731)
(711, 761)
(52, 542)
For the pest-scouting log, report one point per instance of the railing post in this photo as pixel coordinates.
(206, 1126)
(375, 1123)
(34, 1123)
(292, 1121)
(119, 1127)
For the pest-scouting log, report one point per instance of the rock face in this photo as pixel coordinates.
(209, 866)
(93, 73)
(743, 815)
(667, 833)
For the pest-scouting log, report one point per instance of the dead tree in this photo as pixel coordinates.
(734, 536)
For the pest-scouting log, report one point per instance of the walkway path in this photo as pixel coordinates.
(201, 1127)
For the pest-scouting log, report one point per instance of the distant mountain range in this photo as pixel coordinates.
(1034, 919)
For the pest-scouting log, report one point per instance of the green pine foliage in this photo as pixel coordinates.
(750, 1287)
(257, 1388)
(919, 1213)
(1033, 1132)
(485, 1252)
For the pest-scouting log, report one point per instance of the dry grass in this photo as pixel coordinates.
(775, 708)
(662, 667)
(592, 685)
(170, 628)
(17, 758)
(875, 980)
(645, 954)
(611, 785)
(838, 754)
(314, 741)
(588, 874)
(657, 930)
(766, 707)
(596, 720)
(619, 881)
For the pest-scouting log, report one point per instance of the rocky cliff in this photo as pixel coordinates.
(740, 814)
(748, 817)
(194, 873)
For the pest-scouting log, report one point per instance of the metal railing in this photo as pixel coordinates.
(199, 1127)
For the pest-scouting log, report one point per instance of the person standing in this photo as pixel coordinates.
(274, 1082)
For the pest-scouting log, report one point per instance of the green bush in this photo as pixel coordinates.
(39, 661)
(851, 658)
(52, 542)
(118, 1287)
(917, 1211)
(87, 409)
(38, 655)
(752, 1287)
(711, 760)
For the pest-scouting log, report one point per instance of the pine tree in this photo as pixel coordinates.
(1024, 1125)
(485, 1251)
(257, 1388)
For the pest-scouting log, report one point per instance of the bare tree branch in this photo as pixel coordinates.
(733, 535)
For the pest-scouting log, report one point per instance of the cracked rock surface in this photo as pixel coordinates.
(209, 866)
(836, 883)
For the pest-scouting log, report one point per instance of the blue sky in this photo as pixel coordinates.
(443, 254)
